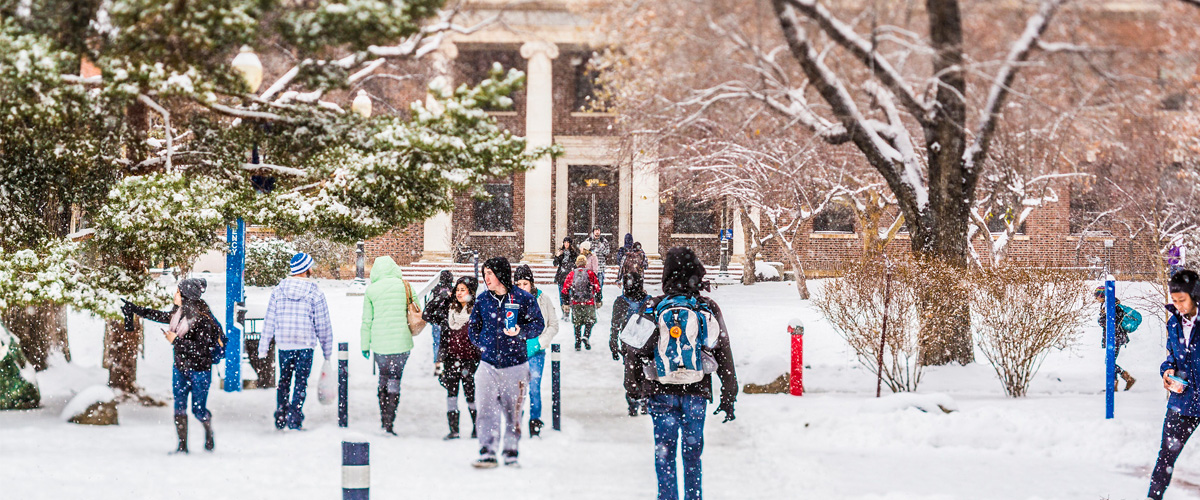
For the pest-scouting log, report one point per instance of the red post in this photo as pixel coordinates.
(796, 380)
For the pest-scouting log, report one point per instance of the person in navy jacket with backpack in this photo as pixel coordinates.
(1127, 320)
(1180, 373)
(679, 408)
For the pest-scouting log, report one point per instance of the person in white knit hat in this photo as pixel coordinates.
(298, 319)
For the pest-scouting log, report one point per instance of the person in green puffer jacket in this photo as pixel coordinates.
(385, 332)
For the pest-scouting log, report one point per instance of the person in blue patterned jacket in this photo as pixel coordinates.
(1180, 373)
(298, 319)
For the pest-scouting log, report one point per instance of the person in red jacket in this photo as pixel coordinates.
(582, 286)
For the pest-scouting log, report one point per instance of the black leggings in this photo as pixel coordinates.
(1176, 431)
(457, 372)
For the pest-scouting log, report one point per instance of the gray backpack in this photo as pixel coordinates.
(581, 287)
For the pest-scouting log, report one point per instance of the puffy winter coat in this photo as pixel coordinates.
(487, 327)
(385, 310)
(193, 350)
(636, 382)
(1185, 360)
(565, 263)
(591, 276)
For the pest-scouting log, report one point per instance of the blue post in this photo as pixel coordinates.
(556, 386)
(235, 296)
(356, 471)
(1110, 345)
(344, 384)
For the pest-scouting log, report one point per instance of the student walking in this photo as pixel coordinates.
(564, 261)
(503, 320)
(1127, 320)
(442, 293)
(385, 331)
(582, 287)
(298, 319)
(537, 347)
(1180, 376)
(457, 355)
(631, 302)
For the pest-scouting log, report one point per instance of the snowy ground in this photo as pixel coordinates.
(836, 442)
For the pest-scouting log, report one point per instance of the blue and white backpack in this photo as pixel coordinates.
(683, 352)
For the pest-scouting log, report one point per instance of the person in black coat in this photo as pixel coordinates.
(632, 301)
(564, 260)
(441, 297)
(679, 409)
(197, 339)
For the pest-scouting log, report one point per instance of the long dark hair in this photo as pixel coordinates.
(194, 309)
(472, 285)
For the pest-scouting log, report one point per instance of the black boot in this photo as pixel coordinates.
(474, 435)
(578, 338)
(587, 337)
(535, 427)
(452, 419)
(391, 403)
(181, 422)
(381, 393)
(209, 444)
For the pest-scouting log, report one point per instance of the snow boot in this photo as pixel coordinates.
(209, 443)
(510, 459)
(486, 460)
(1129, 380)
(452, 419)
(181, 424)
(474, 435)
(391, 404)
(535, 427)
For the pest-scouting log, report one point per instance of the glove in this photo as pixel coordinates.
(127, 311)
(727, 407)
(616, 356)
(367, 354)
(532, 347)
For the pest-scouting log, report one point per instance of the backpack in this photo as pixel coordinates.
(680, 356)
(632, 262)
(217, 350)
(1131, 320)
(581, 287)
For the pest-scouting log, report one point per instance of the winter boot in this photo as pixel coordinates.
(633, 406)
(181, 422)
(587, 337)
(391, 403)
(486, 460)
(578, 339)
(381, 393)
(474, 435)
(452, 419)
(535, 427)
(1129, 380)
(209, 444)
(510, 458)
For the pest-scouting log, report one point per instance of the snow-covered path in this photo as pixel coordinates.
(836, 442)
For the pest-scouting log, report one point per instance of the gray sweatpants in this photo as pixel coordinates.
(499, 393)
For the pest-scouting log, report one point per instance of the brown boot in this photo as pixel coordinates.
(1129, 380)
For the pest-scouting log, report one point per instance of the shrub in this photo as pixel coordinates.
(267, 261)
(326, 254)
(1020, 314)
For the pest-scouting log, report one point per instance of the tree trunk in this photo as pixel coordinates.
(120, 355)
(798, 268)
(749, 272)
(42, 330)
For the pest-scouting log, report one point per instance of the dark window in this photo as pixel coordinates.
(495, 214)
(998, 220)
(695, 217)
(588, 91)
(835, 219)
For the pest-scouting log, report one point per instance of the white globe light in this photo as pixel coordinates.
(362, 104)
(250, 67)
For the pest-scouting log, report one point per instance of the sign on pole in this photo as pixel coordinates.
(235, 299)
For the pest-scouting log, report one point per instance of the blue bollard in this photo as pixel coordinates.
(1110, 345)
(556, 386)
(344, 384)
(356, 471)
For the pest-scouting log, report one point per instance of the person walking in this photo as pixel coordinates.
(1179, 374)
(537, 347)
(582, 287)
(198, 342)
(442, 293)
(457, 355)
(385, 332)
(601, 249)
(503, 320)
(634, 261)
(679, 384)
(630, 303)
(593, 265)
(620, 255)
(564, 261)
(298, 319)
(1127, 320)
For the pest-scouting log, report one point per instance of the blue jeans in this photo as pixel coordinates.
(437, 340)
(185, 382)
(537, 363)
(296, 362)
(672, 416)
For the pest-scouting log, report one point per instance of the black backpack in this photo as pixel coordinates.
(217, 350)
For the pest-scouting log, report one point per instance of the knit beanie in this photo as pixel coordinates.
(300, 262)
(193, 288)
(523, 272)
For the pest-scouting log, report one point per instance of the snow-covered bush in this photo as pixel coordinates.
(1020, 314)
(267, 261)
(766, 271)
(326, 254)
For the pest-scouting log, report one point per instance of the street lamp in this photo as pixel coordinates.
(250, 67)
(362, 104)
(362, 107)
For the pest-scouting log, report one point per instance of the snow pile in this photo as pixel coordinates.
(767, 271)
(928, 403)
(85, 399)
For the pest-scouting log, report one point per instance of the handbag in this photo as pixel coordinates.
(415, 322)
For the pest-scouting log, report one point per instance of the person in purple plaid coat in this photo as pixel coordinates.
(298, 319)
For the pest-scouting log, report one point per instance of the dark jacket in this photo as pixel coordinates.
(638, 385)
(1121, 336)
(632, 297)
(565, 263)
(487, 327)
(624, 248)
(193, 350)
(1185, 360)
(454, 344)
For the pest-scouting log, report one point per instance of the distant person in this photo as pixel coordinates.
(1180, 374)
(582, 286)
(537, 347)
(683, 342)
(442, 294)
(298, 319)
(503, 374)
(593, 265)
(564, 261)
(634, 261)
(625, 248)
(198, 343)
(1127, 320)
(386, 333)
(457, 355)
(601, 249)
(630, 303)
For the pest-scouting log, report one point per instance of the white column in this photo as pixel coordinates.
(439, 229)
(739, 237)
(644, 220)
(539, 132)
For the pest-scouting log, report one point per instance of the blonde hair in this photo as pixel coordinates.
(580, 261)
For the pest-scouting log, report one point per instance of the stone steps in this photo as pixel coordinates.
(422, 271)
